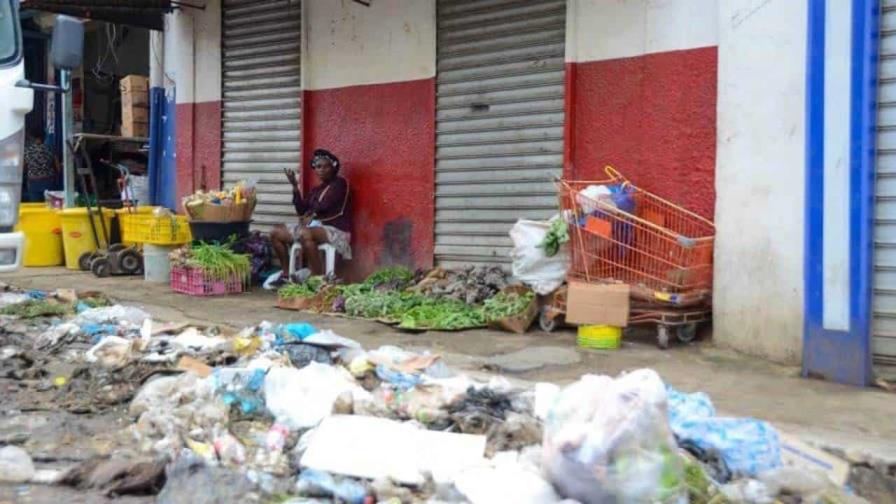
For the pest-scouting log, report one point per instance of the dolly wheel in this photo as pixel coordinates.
(662, 336)
(545, 321)
(85, 260)
(686, 333)
(101, 267)
(117, 247)
(130, 262)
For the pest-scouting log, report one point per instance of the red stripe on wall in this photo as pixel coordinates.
(653, 117)
(198, 147)
(384, 136)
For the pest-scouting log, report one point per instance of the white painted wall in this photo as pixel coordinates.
(348, 44)
(193, 40)
(600, 30)
(760, 172)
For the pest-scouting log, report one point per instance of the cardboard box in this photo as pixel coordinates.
(131, 83)
(796, 453)
(207, 212)
(135, 129)
(519, 323)
(135, 99)
(597, 304)
(135, 113)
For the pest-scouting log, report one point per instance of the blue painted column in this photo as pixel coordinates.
(840, 143)
(162, 124)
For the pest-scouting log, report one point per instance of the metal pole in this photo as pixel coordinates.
(68, 125)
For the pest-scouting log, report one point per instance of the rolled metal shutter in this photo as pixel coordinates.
(499, 123)
(262, 101)
(883, 341)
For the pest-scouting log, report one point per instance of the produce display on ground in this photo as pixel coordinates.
(297, 413)
(436, 302)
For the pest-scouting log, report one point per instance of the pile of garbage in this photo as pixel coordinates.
(294, 412)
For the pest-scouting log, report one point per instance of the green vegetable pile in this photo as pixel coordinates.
(503, 305)
(557, 235)
(34, 308)
(389, 275)
(218, 261)
(302, 290)
(443, 314)
(389, 306)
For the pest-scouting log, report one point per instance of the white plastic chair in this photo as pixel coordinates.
(328, 250)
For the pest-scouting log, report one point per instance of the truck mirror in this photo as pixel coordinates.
(68, 43)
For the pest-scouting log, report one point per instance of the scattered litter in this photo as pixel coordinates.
(301, 398)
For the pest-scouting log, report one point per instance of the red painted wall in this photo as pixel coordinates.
(198, 147)
(653, 117)
(384, 136)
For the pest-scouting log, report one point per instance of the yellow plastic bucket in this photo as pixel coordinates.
(121, 212)
(600, 337)
(77, 236)
(43, 235)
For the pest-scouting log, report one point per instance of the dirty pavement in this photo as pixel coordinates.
(106, 401)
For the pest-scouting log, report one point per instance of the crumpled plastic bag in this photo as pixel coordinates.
(607, 440)
(530, 264)
(301, 398)
(746, 445)
(112, 314)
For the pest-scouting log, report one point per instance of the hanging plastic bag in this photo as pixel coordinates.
(530, 263)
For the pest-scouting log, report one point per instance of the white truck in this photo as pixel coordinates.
(16, 100)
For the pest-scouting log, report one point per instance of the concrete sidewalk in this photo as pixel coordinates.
(859, 421)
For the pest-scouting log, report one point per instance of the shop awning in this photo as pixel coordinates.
(142, 13)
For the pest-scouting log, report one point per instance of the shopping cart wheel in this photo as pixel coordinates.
(545, 321)
(662, 336)
(686, 333)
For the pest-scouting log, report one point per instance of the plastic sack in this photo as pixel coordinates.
(746, 445)
(607, 440)
(301, 398)
(530, 264)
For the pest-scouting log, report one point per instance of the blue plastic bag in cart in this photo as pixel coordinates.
(747, 446)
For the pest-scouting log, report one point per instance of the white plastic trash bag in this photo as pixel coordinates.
(301, 398)
(530, 264)
(607, 440)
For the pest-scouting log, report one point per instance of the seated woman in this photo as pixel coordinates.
(324, 216)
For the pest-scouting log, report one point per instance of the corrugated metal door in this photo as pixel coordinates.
(883, 342)
(499, 122)
(262, 108)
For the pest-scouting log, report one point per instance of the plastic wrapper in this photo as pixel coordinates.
(747, 446)
(607, 440)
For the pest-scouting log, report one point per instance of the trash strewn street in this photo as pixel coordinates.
(101, 399)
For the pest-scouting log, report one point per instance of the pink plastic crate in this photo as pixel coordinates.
(195, 283)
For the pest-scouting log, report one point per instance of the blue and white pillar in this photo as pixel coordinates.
(840, 143)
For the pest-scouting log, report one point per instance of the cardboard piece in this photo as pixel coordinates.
(294, 303)
(207, 212)
(798, 454)
(201, 369)
(521, 322)
(597, 304)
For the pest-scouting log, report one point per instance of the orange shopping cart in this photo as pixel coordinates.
(620, 233)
